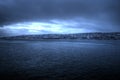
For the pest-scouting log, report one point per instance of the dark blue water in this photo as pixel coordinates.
(60, 60)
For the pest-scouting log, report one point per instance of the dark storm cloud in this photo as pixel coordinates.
(103, 11)
(24, 9)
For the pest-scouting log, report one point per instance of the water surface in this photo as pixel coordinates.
(60, 60)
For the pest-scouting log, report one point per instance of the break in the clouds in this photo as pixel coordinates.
(58, 16)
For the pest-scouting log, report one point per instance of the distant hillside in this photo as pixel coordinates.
(79, 36)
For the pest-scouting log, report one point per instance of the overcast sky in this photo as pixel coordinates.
(58, 16)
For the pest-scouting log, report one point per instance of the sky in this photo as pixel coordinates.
(19, 17)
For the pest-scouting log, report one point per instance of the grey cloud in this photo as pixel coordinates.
(56, 8)
(102, 11)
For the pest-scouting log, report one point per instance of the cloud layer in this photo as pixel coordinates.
(99, 15)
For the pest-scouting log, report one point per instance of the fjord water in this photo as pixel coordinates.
(60, 60)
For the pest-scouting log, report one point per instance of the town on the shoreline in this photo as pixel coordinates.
(79, 36)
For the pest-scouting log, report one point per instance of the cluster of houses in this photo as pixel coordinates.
(89, 36)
